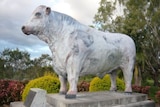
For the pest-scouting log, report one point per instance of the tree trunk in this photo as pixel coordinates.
(137, 76)
(155, 78)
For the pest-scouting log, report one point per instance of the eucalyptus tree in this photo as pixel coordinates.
(14, 62)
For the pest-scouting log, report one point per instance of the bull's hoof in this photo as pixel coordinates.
(128, 93)
(70, 96)
(113, 90)
(62, 93)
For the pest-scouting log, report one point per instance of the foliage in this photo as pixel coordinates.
(106, 8)
(43, 60)
(16, 64)
(158, 96)
(50, 73)
(152, 92)
(10, 91)
(83, 86)
(98, 84)
(49, 83)
(39, 66)
(86, 78)
(16, 59)
(141, 89)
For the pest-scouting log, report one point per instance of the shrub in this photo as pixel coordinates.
(50, 73)
(49, 83)
(157, 96)
(141, 89)
(83, 86)
(136, 88)
(10, 91)
(152, 92)
(145, 89)
(98, 84)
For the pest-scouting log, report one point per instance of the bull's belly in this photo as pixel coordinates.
(100, 67)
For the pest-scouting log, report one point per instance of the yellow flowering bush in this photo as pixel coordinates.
(49, 83)
(98, 84)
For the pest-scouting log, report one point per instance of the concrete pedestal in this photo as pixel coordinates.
(36, 98)
(101, 99)
(97, 99)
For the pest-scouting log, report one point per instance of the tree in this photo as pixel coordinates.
(153, 45)
(141, 21)
(143, 17)
(14, 61)
(17, 59)
(16, 64)
(2, 74)
(39, 66)
(43, 60)
(103, 19)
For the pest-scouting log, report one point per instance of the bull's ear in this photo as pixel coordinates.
(48, 10)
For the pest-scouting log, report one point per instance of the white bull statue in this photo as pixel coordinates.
(78, 49)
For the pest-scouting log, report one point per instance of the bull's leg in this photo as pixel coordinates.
(128, 81)
(63, 86)
(73, 80)
(73, 74)
(113, 76)
(74, 66)
(128, 74)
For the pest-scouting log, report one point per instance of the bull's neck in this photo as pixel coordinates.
(59, 26)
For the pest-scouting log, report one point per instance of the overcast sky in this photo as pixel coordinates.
(14, 13)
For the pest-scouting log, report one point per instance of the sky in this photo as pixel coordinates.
(14, 14)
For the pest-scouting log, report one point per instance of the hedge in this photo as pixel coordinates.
(98, 84)
(49, 83)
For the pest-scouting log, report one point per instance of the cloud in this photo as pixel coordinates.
(83, 11)
(14, 13)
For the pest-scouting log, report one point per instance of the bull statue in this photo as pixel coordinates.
(79, 50)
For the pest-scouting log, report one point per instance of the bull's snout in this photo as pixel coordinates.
(29, 30)
(23, 27)
(24, 30)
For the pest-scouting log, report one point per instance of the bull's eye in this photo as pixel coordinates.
(38, 14)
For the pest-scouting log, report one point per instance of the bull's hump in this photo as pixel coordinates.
(83, 36)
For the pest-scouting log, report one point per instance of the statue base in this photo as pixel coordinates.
(97, 99)
(101, 99)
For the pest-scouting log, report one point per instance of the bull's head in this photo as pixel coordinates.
(38, 21)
